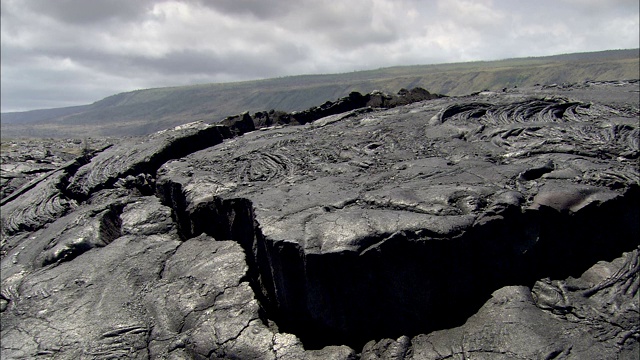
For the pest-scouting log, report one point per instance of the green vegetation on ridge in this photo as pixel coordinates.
(145, 111)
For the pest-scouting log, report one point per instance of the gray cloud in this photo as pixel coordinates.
(85, 13)
(65, 52)
(259, 9)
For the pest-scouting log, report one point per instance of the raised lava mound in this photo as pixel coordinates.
(496, 225)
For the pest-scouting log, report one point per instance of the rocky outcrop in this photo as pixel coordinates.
(24, 160)
(557, 319)
(239, 124)
(461, 199)
(493, 226)
(143, 156)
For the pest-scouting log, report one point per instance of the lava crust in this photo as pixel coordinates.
(496, 225)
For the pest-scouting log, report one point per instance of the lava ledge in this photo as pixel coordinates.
(405, 221)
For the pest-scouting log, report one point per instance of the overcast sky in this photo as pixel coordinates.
(69, 52)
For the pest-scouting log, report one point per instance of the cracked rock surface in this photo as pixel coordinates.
(23, 160)
(491, 226)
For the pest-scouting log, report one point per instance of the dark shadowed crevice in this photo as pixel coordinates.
(108, 228)
(182, 147)
(231, 219)
(147, 167)
(537, 172)
(410, 283)
(71, 170)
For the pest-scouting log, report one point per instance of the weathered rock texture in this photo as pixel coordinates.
(488, 226)
(24, 160)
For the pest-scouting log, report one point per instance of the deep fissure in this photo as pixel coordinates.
(410, 283)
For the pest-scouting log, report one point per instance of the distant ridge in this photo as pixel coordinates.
(144, 111)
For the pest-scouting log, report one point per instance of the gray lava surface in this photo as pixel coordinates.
(491, 226)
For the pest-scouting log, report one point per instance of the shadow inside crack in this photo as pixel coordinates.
(411, 283)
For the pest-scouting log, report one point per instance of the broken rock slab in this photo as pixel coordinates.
(557, 319)
(370, 225)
